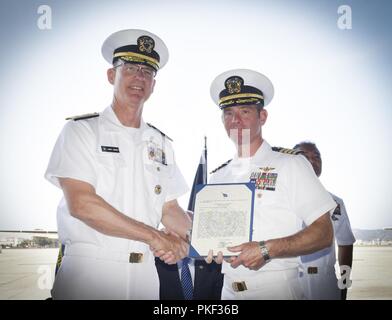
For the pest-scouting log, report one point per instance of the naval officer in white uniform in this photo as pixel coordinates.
(287, 194)
(318, 275)
(120, 180)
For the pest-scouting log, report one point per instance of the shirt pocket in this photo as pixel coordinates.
(157, 182)
(111, 150)
(266, 197)
(111, 160)
(112, 168)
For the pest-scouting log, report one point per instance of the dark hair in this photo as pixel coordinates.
(259, 107)
(306, 144)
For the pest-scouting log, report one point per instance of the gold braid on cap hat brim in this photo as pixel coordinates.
(137, 57)
(241, 95)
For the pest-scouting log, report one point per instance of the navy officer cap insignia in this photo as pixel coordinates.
(145, 44)
(240, 87)
(83, 116)
(136, 46)
(234, 84)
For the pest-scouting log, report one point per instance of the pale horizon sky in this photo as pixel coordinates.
(332, 87)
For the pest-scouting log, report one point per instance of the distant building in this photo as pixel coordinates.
(45, 242)
(28, 239)
(10, 241)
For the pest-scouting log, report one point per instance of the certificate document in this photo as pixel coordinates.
(223, 217)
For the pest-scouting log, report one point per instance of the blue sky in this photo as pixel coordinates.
(332, 86)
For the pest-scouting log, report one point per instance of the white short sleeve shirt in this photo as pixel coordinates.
(343, 232)
(325, 259)
(323, 284)
(287, 194)
(133, 169)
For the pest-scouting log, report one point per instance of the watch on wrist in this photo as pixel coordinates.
(264, 251)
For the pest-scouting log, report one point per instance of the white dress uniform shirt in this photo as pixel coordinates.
(318, 276)
(287, 194)
(132, 169)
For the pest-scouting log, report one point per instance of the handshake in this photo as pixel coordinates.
(169, 246)
(172, 244)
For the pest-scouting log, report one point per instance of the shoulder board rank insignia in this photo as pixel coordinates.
(287, 151)
(83, 116)
(221, 166)
(151, 126)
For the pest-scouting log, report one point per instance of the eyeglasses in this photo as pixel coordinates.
(132, 69)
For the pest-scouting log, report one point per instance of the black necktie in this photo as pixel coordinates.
(186, 280)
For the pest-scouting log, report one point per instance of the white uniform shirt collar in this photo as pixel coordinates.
(110, 116)
(260, 154)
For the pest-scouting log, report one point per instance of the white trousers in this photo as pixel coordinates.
(266, 285)
(320, 286)
(91, 273)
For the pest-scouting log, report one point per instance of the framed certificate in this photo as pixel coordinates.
(223, 217)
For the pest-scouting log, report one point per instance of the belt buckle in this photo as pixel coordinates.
(135, 257)
(239, 286)
(312, 270)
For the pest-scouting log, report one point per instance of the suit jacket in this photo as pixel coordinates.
(207, 284)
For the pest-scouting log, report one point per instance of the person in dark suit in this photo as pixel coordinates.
(208, 280)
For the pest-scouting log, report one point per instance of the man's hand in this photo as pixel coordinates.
(250, 256)
(169, 247)
(210, 257)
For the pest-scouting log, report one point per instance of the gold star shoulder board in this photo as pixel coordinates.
(287, 151)
(151, 126)
(83, 116)
(221, 166)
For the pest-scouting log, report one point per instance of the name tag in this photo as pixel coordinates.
(110, 149)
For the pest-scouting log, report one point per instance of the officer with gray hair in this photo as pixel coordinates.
(120, 180)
